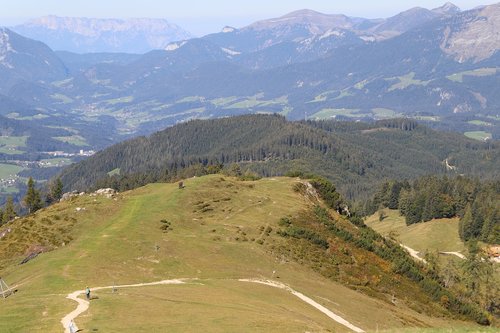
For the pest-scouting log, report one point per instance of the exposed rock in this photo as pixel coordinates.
(5, 232)
(69, 195)
(447, 9)
(474, 36)
(108, 192)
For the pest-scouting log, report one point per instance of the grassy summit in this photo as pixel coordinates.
(212, 233)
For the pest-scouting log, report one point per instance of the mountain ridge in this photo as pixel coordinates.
(84, 35)
(269, 145)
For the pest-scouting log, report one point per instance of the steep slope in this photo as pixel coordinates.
(447, 9)
(85, 35)
(440, 235)
(23, 59)
(473, 36)
(354, 156)
(210, 234)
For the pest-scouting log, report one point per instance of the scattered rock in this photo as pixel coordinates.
(108, 192)
(5, 232)
(69, 195)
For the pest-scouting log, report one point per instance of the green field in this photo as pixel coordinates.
(459, 77)
(114, 101)
(190, 99)
(435, 235)
(17, 116)
(382, 113)
(212, 241)
(256, 100)
(62, 98)
(478, 135)
(55, 162)
(332, 113)
(9, 170)
(479, 123)
(12, 144)
(76, 140)
(114, 172)
(325, 95)
(223, 101)
(405, 81)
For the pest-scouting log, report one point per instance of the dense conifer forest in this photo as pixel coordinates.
(357, 157)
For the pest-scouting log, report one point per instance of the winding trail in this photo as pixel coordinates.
(308, 300)
(458, 254)
(83, 305)
(413, 253)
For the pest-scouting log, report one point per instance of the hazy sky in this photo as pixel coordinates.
(205, 16)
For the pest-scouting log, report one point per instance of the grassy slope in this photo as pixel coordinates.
(435, 235)
(115, 243)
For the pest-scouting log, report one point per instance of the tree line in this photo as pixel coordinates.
(467, 291)
(475, 202)
(355, 156)
(34, 199)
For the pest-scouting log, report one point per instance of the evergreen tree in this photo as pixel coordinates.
(32, 199)
(465, 224)
(55, 191)
(490, 232)
(9, 211)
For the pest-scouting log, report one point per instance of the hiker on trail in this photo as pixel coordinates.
(87, 293)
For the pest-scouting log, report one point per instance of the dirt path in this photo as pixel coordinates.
(83, 305)
(458, 254)
(413, 253)
(309, 301)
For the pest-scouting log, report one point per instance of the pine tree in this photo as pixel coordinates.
(55, 191)
(9, 211)
(32, 199)
(465, 224)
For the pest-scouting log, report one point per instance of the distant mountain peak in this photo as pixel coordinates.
(84, 35)
(90, 26)
(317, 23)
(228, 29)
(447, 9)
(303, 12)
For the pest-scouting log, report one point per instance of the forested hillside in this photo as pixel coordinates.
(356, 156)
(477, 203)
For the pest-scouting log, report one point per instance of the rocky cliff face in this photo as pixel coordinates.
(473, 35)
(84, 35)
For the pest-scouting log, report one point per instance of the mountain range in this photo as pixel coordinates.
(436, 66)
(85, 35)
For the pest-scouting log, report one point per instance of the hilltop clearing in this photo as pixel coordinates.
(439, 235)
(212, 232)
